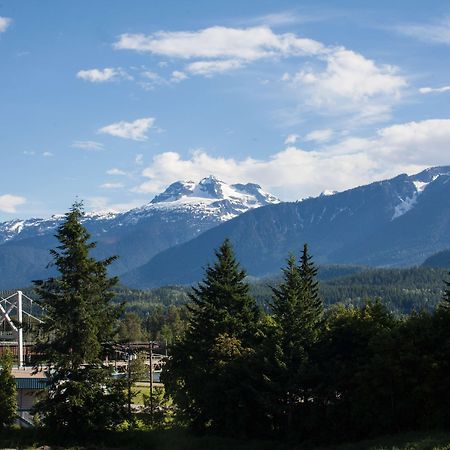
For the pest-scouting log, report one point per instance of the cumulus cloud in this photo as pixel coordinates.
(112, 185)
(115, 171)
(102, 75)
(5, 22)
(215, 42)
(291, 139)
(430, 90)
(136, 131)
(102, 205)
(88, 145)
(208, 68)
(178, 76)
(349, 83)
(9, 203)
(139, 159)
(334, 81)
(319, 135)
(295, 173)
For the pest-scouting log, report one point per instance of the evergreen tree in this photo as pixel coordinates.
(312, 305)
(297, 315)
(78, 319)
(8, 401)
(205, 374)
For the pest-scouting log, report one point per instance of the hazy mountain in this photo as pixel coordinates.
(439, 260)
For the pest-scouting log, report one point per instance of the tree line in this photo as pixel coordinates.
(303, 371)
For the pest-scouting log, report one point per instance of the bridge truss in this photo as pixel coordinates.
(12, 314)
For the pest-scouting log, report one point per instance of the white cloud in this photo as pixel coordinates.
(5, 22)
(349, 83)
(9, 203)
(102, 205)
(102, 75)
(247, 44)
(47, 154)
(291, 139)
(139, 159)
(151, 79)
(112, 185)
(88, 145)
(429, 90)
(178, 76)
(437, 32)
(208, 68)
(137, 130)
(116, 171)
(336, 81)
(319, 135)
(295, 172)
(280, 18)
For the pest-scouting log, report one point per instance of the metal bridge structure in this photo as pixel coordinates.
(14, 308)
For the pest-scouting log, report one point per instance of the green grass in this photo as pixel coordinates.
(140, 389)
(181, 440)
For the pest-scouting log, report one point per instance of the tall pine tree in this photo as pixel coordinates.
(78, 319)
(8, 401)
(297, 315)
(205, 374)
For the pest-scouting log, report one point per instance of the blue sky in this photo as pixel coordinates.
(112, 101)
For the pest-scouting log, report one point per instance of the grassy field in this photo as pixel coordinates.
(140, 389)
(180, 440)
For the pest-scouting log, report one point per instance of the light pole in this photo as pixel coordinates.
(151, 343)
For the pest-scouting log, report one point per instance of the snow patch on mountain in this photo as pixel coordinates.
(408, 203)
(405, 205)
(210, 199)
(213, 197)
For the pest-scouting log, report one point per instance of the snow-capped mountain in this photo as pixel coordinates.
(396, 222)
(184, 210)
(210, 198)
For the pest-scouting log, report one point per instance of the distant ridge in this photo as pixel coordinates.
(181, 212)
(396, 222)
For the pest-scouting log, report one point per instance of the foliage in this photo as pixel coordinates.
(130, 328)
(8, 402)
(297, 315)
(205, 373)
(163, 409)
(78, 319)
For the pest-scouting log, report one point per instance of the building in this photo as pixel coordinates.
(28, 385)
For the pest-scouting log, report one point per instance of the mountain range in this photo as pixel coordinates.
(396, 222)
(183, 211)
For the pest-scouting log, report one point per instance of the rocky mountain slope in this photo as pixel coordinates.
(183, 211)
(396, 222)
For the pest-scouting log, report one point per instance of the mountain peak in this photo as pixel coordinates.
(210, 190)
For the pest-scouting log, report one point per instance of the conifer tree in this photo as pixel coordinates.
(78, 319)
(8, 401)
(204, 374)
(311, 301)
(297, 314)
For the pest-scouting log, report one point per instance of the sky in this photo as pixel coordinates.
(111, 101)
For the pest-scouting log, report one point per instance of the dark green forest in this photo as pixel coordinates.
(162, 313)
